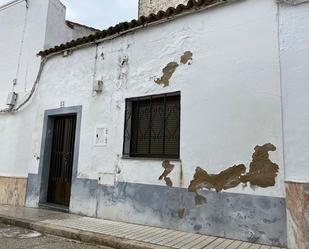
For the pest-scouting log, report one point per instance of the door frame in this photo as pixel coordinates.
(46, 146)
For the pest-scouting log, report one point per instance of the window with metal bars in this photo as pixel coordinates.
(152, 126)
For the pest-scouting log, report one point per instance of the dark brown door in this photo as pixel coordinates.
(61, 163)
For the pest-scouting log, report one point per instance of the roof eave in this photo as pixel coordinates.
(120, 29)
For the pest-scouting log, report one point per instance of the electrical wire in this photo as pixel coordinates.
(11, 109)
(22, 42)
(23, 103)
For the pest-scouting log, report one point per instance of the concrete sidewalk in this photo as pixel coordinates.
(114, 234)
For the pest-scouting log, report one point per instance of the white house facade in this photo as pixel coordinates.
(193, 119)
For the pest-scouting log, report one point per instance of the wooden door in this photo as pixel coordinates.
(61, 163)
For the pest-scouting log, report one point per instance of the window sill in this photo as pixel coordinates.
(150, 159)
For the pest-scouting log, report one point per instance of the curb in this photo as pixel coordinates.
(79, 235)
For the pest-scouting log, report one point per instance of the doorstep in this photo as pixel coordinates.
(118, 235)
(54, 207)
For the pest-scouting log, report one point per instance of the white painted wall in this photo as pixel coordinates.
(22, 35)
(230, 94)
(294, 42)
(24, 32)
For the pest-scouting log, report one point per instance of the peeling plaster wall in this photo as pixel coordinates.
(219, 128)
(236, 99)
(228, 107)
(147, 7)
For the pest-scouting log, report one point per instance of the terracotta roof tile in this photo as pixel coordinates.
(126, 26)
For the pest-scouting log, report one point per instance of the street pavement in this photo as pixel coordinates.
(18, 238)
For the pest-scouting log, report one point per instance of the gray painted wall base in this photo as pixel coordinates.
(33, 191)
(245, 217)
(237, 216)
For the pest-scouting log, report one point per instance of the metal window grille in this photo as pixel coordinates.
(152, 126)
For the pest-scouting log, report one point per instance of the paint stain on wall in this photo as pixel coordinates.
(181, 213)
(168, 72)
(171, 67)
(168, 168)
(262, 173)
(186, 57)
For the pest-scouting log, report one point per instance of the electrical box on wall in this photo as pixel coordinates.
(12, 98)
(98, 86)
(101, 133)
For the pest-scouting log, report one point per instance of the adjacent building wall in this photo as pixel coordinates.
(294, 53)
(19, 25)
(147, 7)
(78, 30)
(58, 30)
(230, 115)
(22, 31)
